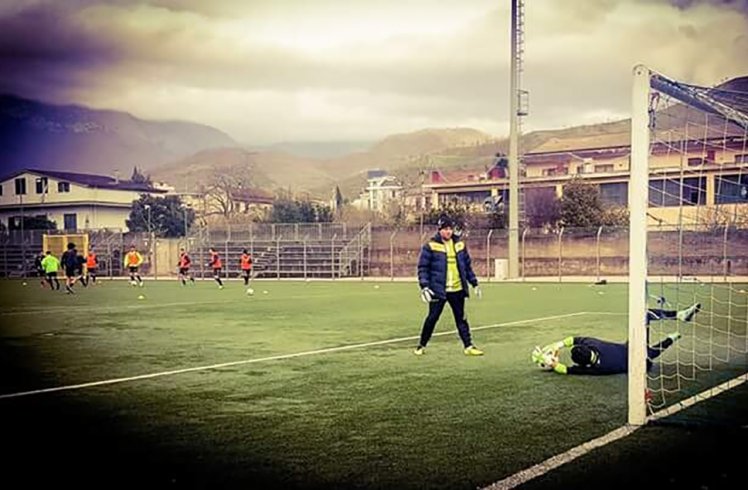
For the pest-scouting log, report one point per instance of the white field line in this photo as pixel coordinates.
(270, 358)
(561, 459)
(76, 309)
(704, 395)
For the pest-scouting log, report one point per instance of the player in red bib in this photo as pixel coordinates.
(184, 267)
(215, 264)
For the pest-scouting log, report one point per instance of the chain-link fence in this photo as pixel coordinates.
(332, 250)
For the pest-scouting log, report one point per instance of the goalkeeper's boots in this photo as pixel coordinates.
(687, 314)
(473, 351)
(419, 351)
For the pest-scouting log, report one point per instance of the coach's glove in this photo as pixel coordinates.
(478, 292)
(427, 295)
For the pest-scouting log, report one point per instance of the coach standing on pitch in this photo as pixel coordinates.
(444, 272)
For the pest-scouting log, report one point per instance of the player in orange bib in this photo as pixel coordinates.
(133, 261)
(245, 262)
(92, 265)
(184, 267)
(215, 264)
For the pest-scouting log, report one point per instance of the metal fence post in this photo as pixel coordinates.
(597, 252)
(560, 251)
(523, 258)
(488, 255)
(277, 258)
(226, 255)
(251, 240)
(332, 256)
(305, 239)
(392, 255)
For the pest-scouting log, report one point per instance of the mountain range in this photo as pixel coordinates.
(73, 138)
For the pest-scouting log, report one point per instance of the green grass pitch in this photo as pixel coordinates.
(321, 389)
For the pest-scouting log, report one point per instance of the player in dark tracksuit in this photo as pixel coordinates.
(40, 273)
(595, 356)
(444, 274)
(70, 264)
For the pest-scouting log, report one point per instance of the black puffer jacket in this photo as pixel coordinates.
(432, 266)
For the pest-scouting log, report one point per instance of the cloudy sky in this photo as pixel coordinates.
(328, 70)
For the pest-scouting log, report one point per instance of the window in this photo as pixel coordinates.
(21, 186)
(63, 187)
(676, 192)
(741, 158)
(42, 185)
(731, 189)
(695, 162)
(1, 189)
(608, 167)
(70, 221)
(616, 193)
(559, 170)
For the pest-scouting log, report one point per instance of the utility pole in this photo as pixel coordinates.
(515, 111)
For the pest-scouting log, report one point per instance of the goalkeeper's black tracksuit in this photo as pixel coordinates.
(613, 358)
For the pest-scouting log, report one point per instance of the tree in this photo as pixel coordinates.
(542, 207)
(164, 216)
(337, 197)
(32, 223)
(140, 178)
(286, 210)
(225, 184)
(580, 205)
(458, 211)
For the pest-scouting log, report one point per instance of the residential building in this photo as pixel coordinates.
(381, 188)
(701, 174)
(74, 201)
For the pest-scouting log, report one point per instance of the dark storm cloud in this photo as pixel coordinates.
(44, 52)
(241, 61)
(740, 5)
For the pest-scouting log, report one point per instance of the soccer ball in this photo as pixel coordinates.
(545, 360)
(250, 291)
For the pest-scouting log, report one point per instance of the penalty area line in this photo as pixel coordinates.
(266, 359)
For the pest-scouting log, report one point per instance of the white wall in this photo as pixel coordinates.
(77, 193)
(87, 216)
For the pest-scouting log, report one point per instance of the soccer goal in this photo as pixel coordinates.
(57, 244)
(688, 244)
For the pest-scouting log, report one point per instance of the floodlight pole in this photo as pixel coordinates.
(513, 271)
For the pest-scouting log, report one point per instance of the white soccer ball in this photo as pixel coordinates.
(250, 291)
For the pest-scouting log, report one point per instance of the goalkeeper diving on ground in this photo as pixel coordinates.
(595, 356)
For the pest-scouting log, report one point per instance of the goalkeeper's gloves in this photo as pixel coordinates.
(427, 295)
(478, 292)
(537, 355)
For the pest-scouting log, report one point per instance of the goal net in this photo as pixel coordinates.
(688, 199)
